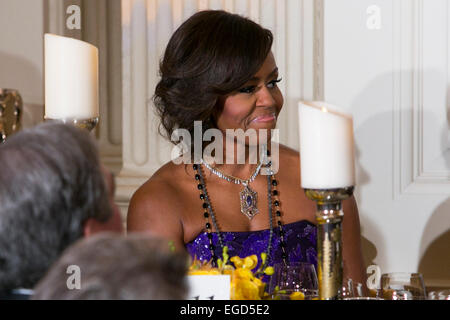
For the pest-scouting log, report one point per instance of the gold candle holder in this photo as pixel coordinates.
(11, 108)
(329, 216)
(88, 124)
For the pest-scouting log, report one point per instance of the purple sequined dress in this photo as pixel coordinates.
(300, 239)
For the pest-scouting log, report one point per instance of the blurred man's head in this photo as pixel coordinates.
(53, 190)
(114, 267)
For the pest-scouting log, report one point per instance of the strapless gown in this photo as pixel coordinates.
(300, 240)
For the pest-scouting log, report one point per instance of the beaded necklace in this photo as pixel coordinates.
(248, 198)
(208, 212)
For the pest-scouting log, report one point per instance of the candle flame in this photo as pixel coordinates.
(324, 109)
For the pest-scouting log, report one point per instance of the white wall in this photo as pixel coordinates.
(394, 80)
(21, 53)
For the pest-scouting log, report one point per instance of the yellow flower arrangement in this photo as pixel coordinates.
(246, 284)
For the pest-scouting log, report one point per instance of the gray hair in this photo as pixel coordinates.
(50, 184)
(118, 267)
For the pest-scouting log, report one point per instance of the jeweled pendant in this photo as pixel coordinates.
(249, 199)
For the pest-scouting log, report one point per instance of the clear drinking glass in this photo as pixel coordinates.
(296, 281)
(352, 290)
(347, 290)
(403, 286)
(439, 295)
(363, 298)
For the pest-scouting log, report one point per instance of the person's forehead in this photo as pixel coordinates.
(268, 67)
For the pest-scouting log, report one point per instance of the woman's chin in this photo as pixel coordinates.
(261, 126)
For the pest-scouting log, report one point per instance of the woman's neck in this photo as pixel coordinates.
(237, 159)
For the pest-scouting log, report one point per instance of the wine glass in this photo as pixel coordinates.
(403, 286)
(439, 295)
(352, 290)
(347, 289)
(296, 281)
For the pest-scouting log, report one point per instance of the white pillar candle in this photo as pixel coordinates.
(326, 146)
(71, 78)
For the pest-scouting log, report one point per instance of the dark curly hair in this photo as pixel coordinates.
(210, 55)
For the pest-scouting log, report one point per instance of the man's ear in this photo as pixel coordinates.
(92, 226)
(89, 227)
(114, 224)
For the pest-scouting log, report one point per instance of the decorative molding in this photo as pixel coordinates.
(409, 115)
(318, 50)
(102, 27)
(307, 54)
(54, 16)
(402, 96)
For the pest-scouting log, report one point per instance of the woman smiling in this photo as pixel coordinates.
(219, 69)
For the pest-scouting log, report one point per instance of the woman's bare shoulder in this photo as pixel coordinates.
(289, 152)
(170, 173)
(289, 157)
(159, 199)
